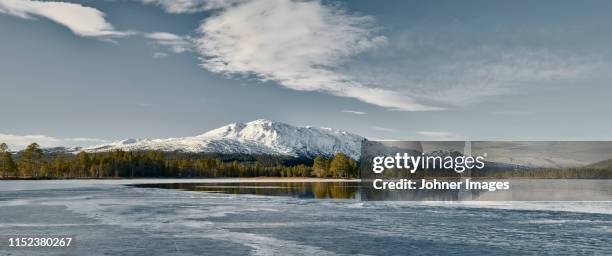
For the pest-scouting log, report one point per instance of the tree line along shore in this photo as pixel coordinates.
(34, 163)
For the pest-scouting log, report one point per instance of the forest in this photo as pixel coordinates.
(33, 163)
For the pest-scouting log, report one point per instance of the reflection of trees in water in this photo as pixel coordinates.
(339, 190)
(318, 190)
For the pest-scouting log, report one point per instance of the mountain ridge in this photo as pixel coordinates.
(261, 136)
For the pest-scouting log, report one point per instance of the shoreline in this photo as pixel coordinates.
(287, 178)
(237, 179)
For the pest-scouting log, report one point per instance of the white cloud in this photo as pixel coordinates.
(89, 22)
(81, 20)
(191, 6)
(383, 129)
(175, 43)
(354, 112)
(21, 141)
(437, 135)
(458, 75)
(159, 55)
(476, 77)
(298, 44)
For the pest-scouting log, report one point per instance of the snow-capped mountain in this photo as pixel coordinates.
(256, 137)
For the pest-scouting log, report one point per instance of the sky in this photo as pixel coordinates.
(88, 72)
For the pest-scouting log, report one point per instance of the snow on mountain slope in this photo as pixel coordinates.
(256, 137)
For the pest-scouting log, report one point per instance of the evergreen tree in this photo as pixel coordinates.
(58, 166)
(31, 160)
(339, 166)
(83, 163)
(320, 167)
(7, 165)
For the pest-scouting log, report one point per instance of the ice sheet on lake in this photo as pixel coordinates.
(107, 217)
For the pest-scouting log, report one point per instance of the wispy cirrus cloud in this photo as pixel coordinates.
(354, 112)
(159, 55)
(383, 129)
(483, 73)
(300, 45)
(87, 21)
(21, 141)
(454, 70)
(81, 20)
(191, 6)
(175, 43)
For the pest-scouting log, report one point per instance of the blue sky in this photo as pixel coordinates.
(85, 72)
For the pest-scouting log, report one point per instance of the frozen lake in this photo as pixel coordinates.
(110, 218)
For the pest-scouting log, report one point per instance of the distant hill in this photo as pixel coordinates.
(605, 164)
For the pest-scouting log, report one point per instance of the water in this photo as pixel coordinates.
(108, 217)
(521, 190)
(304, 190)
